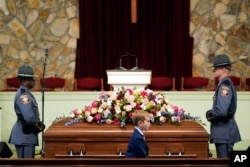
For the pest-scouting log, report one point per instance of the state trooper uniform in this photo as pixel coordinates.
(25, 131)
(224, 129)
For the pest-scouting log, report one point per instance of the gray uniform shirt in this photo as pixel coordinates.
(224, 128)
(25, 104)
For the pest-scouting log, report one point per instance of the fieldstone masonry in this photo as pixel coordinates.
(220, 26)
(28, 27)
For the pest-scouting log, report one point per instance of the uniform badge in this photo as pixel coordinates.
(224, 90)
(25, 99)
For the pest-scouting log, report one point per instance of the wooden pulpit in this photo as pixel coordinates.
(129, 78)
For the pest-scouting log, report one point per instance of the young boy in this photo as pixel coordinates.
(137, 146)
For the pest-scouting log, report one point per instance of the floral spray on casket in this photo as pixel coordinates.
(117, 107)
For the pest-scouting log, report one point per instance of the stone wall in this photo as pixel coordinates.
(28, 27)
(220, 26)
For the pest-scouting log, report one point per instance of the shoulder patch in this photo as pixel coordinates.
(224, 90)
(25, 99)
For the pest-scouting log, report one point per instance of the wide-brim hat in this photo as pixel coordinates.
(222, 60)
(26, 71)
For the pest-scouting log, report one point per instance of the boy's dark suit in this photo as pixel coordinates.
(137, 146)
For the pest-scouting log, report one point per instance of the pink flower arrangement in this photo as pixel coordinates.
(116, 107)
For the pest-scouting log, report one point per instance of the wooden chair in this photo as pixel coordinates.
(162, 84)
(195, 83)
(236, 81)
(53, 84)
(89, 84)
(12, 84)
(247, 84)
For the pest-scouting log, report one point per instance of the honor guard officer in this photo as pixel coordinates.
(25, 131)
(224, 129)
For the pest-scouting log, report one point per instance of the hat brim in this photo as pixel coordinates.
(221, 64)
(27, 75)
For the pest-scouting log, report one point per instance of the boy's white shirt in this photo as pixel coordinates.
(140, 131)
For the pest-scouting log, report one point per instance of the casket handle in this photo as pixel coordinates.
(71, 153)
(81, 153)
(76, 149)
(180, 154)
(174, 149)
(121, 149)
(170, 153)
(120, 153)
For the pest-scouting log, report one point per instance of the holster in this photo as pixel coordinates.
(36, 127)
(224, 119)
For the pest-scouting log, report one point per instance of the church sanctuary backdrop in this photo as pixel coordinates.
(172, 38)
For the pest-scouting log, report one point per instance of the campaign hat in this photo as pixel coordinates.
(26, 71)
(222, 60)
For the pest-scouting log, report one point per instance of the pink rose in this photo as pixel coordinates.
(129, 90)
(78, 112)
(87, 113)
(162, 119)
(154, 111)
(88, 108)
(181, 110)
(130, 115)
(109, 121)
(94, 104)
(97, 117)
(175, 108)
(116, 121)
(138, 106)
(144, 93)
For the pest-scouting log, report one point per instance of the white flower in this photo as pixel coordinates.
(127, 108)
(117, 109)
(90, 119)
(170, 109)
(158, 113)
(93, 110)
(72, 115)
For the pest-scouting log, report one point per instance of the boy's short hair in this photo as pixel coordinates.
(139, 115)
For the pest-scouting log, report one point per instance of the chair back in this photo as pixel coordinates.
(12, 84)
(247, 84)
(195, 83)
(89, 84)
(162, 83)
(54, 83)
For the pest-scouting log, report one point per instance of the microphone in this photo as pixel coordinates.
(131, 55)
(46, 52)
(136, 61)
(120, 67)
